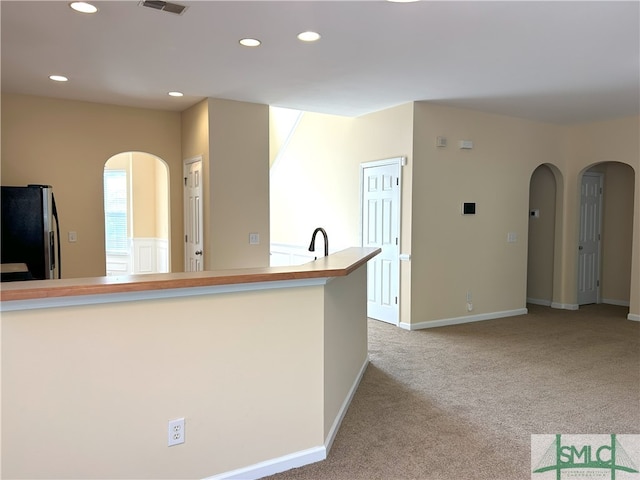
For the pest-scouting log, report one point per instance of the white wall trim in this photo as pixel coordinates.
(538, 301)
(296, 459)
(634, 317)
(467, 319)
(150, 255)
(565, 306)
(328, 443)
(282, 254)
(275, 465)
(620, 303)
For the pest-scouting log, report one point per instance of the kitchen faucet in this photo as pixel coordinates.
(312, 246)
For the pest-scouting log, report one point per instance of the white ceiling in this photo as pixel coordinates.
(561, 62)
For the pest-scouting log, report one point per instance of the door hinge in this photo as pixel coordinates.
(597, 283)
(185, 181)
(396, 240)
(398, 181)
(396, 300)
(186, 239)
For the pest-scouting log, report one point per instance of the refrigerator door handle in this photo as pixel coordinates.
(52, 251)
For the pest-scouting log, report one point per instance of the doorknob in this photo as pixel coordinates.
(198, 252)
(580, 247)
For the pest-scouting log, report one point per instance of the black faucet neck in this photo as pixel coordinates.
(312, 245)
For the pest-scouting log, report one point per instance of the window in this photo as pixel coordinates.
(115, 211)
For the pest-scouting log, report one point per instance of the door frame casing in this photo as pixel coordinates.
(185, 207)
(399, 162)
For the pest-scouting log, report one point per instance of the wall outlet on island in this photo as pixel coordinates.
(176, 432)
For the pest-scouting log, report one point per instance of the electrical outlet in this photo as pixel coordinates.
(254, 239)
(176, 431)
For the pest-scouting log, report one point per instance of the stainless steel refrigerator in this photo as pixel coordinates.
(30, 247)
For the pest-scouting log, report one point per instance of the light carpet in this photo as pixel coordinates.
(461, 402)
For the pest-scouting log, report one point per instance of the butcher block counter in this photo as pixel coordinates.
(338, 264)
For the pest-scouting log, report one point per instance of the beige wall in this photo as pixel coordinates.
(238, 177)
(143, 191)
(257, 375)
(66, 144)
(541, 240)
(314, 184)
(346, 347)
(282, 123)
(316, 179)
(455, 254)
(387, 134)
(149, 192)
(233, 140)
(617, 231)
(195, 143)
(89, 390)
(163, 200)
(615, 141)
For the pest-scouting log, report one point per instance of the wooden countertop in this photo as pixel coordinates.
(338, 264)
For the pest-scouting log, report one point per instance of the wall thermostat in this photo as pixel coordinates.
(469, 208)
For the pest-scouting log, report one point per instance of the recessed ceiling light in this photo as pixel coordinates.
(83, 7)
(176, 94)
(58, 78)
(309, 36)
(250, 42)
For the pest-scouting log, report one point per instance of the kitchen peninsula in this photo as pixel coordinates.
(261, 363)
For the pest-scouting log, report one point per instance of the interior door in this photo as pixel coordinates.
(589, 238)
(380, 185)
(193, 223)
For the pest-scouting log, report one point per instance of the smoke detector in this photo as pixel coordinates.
(163, 6)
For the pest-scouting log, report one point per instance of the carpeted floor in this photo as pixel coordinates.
(461, 402)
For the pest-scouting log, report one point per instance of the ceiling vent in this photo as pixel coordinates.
(163, 6)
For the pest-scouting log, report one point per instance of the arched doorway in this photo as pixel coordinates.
(136, 208)
(544, 190)
(613, 280)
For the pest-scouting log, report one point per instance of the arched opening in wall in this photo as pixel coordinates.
(543, 192)
(136, 214)
(606, 234)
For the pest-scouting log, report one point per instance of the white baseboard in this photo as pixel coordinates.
(296, 459)
(274, 465)
(467, 319)
(537, 301)
(565, 306)
(634, 317)
(620, 303)
(343, 409)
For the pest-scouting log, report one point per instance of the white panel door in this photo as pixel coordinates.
(380, 228)
(589, 239)
(193, 224)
